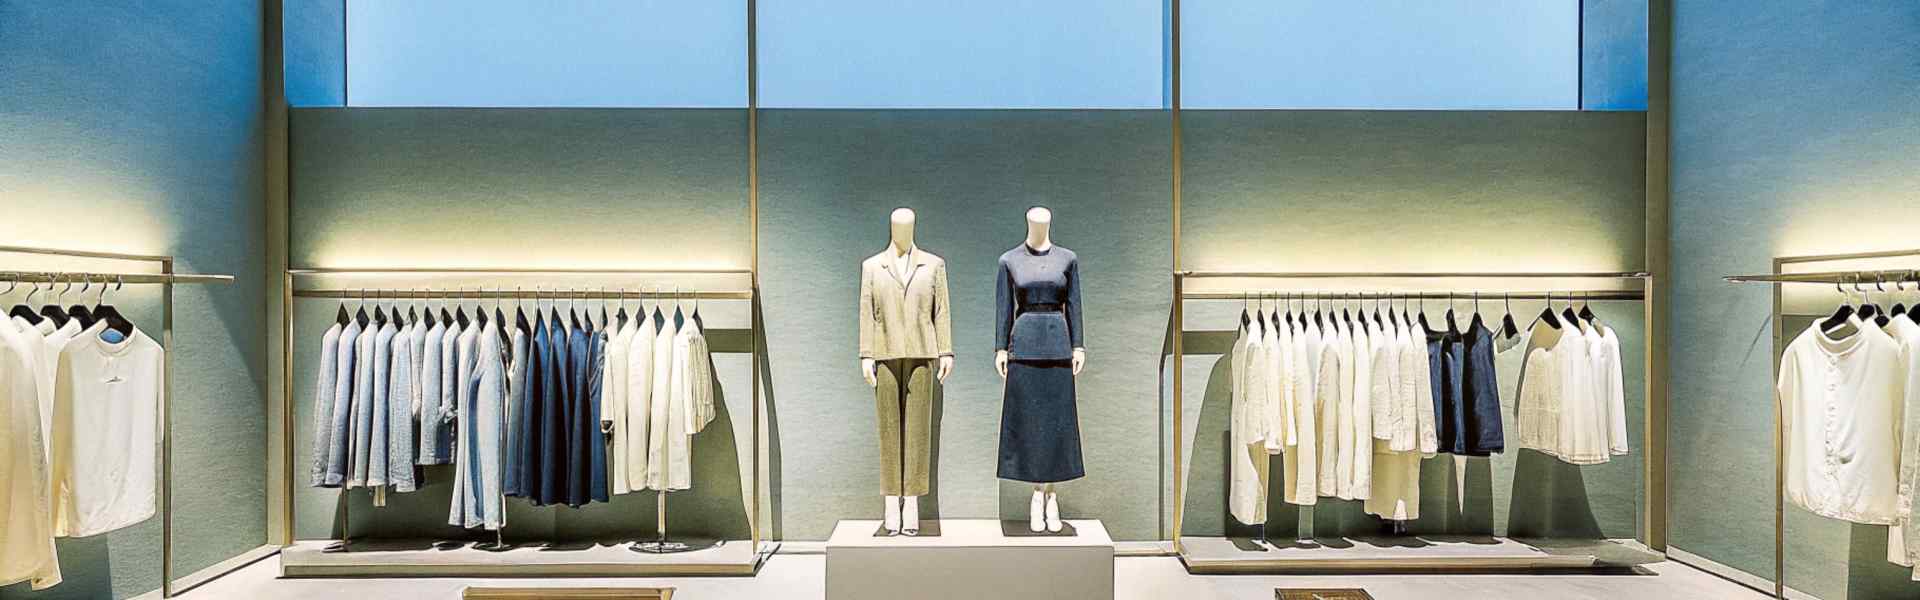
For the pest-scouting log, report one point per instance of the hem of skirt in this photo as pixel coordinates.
(1041, 479)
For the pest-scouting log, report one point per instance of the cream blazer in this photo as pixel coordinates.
(904, 315)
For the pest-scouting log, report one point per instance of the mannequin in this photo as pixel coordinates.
(1044, 511)
(902, 513)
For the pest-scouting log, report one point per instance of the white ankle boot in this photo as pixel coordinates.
(910, 515)
(1037, 515)
(892, 519)
(1053, 513)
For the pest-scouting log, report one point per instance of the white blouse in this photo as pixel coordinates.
(1841, 402)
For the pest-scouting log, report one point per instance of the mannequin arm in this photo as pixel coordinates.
(946, 367)
(1079, 359)
(867, 367)
(1000, 362)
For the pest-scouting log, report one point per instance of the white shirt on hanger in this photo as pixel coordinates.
(107, 432)
(1841, 403)
(26, 509)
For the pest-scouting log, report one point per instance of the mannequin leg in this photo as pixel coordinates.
(910, 515)
(892, 518)
(1037, 512)
(1053, 511)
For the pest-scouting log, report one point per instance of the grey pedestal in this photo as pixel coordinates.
(971, 560)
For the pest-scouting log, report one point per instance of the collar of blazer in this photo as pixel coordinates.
(920, 258)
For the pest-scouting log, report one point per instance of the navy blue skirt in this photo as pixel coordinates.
(1039, 425)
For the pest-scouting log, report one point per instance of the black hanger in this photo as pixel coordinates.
(1546, 315)
(1880, 316)
(360, 311)
(343, 317)
(1567, 315)
(1899, 308)
(1586, 311)
(1840, 315)
(24, 311)
(1507, 327)
(1423, 314)
(106, 312)
(79, 310)
(52, 310)
(460, 316)
(379, 311)
(1453, 324)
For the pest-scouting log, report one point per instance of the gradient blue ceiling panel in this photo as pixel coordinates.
(975, 54)
(1381, 54)
(514, 53)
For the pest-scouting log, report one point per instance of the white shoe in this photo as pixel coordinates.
(1037, 515)
(892, 519)
(1053, 513)
(910, 515)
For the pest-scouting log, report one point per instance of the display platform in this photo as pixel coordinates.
(971, 559)
(1228, 556)
(426, 558)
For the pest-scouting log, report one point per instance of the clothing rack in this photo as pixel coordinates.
(661, 544)
(1655, 507)
(1846, 281)
(166, 278)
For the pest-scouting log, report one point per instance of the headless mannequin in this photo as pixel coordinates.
(902, 514)
(1044, 512)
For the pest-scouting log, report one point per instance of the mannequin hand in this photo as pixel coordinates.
(946, 367)
(867, 370)
(1000, 363)
(1079, 359)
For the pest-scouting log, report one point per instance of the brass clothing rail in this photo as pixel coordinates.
(1832, 277)
(1411, 275)
(748, 290)
(511, 272)
(1853, 279)
(1368, 296)
(110, 278)
(166, 278)
(1652, 457)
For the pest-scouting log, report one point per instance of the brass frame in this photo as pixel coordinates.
(751, 295)
(1777, 277)
(166, 278)
(1653, 455)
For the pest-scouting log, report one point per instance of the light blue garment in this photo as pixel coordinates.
(478, 500)
(516, 405)
(323, 390)
(399, 425)
(434, 445)
(369, 388)
(465, 348)
(340, 426)
(382, 404)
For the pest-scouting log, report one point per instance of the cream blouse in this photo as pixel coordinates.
(1841, 403)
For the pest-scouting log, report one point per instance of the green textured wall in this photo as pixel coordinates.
(526, 188)
(1794, 134)
(1416, 191)
(136, 128)
(829, 180)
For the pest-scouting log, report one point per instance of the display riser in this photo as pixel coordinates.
(416, 558)
(971, 559)
(1419, 554)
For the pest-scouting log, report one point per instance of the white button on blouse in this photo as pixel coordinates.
(1842, 405)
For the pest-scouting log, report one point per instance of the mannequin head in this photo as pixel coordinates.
(902, 230)
(1039, 219)
(1039, 215)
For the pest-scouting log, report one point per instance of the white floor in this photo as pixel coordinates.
(802, 576)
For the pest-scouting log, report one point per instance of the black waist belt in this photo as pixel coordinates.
(1042, 308)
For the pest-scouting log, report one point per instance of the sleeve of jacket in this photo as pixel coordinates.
(866, 313)
(1003, 303)
(1074, 331)
(942, 312)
